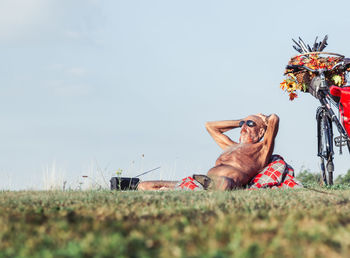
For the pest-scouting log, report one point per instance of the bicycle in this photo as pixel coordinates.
(325, 115)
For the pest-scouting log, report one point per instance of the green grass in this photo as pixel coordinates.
(242, 223)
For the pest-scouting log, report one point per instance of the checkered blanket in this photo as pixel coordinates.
(277, 174)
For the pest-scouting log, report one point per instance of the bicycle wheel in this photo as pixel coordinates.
(325, 146)
(323, 172)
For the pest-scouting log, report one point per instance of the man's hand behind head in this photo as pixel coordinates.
(264, 118)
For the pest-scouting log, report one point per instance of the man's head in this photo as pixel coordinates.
(253, 128)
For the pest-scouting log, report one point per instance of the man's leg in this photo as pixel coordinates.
(213, 182)
(222, 183)
(227, 178)
(156, 185)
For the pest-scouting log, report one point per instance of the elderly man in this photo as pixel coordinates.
(239, 162)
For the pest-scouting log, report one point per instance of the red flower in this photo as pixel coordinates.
(292, 96)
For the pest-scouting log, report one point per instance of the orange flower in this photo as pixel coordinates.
(291, 86)
(283, 85)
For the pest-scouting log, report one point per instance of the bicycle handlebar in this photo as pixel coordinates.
(300, 67)
(297, 68)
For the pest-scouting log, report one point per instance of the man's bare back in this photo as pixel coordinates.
(241, 161)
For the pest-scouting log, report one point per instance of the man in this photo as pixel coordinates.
(239, 162)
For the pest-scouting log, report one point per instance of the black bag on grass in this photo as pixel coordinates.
(124, 183)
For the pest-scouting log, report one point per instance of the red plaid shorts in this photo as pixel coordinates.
(188, 183)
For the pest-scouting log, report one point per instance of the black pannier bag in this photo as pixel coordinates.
(124, 183)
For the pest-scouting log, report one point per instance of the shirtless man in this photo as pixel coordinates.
(239, 162)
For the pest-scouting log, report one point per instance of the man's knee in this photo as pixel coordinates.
(225, 184)
(221, 183)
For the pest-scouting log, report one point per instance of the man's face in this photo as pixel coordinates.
(252, 129)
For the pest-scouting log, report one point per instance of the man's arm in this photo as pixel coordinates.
(217, 128)
(270, 135)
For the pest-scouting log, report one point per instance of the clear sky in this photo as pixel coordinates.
(91, 85)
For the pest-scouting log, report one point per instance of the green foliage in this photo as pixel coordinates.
(344, 180)
(242, 223)
(308, 178)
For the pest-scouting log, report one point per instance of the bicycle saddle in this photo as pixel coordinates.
(344, 106)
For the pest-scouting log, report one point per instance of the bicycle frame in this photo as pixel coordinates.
(333, 118)
(325, 116)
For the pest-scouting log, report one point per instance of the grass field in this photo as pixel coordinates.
(241, 223)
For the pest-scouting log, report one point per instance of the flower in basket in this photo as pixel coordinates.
(291, 84)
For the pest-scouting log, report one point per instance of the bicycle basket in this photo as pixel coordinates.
(314, 58)
(306, 81)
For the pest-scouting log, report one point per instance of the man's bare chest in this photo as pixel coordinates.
(241, 154)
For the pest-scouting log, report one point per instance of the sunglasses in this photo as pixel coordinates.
(249, 123)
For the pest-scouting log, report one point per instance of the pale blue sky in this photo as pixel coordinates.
(103, 82)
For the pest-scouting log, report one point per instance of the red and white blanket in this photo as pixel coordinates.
(277, 174)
